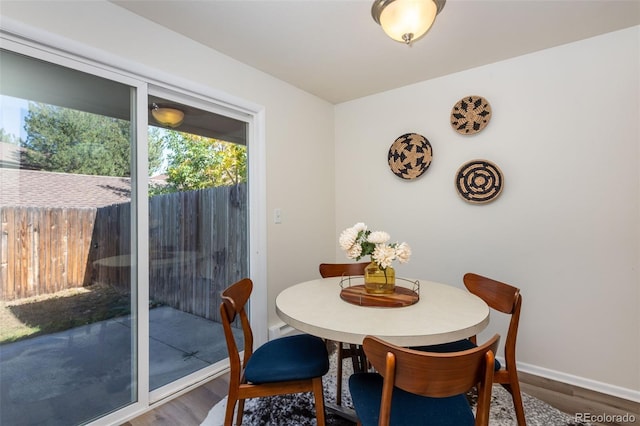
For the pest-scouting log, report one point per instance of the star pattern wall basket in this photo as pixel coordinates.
(410, 156)
(470, 115)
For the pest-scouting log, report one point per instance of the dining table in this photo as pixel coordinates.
(438, 313)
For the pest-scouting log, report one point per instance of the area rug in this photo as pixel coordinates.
(299, 410)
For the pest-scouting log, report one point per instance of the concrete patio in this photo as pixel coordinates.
(69, 377)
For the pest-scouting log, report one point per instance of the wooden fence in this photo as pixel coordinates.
(197, 247)
(43, 250)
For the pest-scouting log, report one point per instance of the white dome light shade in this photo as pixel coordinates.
(406, 20)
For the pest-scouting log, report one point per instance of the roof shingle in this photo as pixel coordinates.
(34, 188)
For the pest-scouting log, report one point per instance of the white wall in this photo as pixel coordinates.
(565, 229)
(299, 126)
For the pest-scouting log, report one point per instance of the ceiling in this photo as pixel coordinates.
(334, 49)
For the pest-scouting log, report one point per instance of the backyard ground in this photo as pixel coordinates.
(29, 317)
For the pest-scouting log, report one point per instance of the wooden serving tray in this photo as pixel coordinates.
(357, 295)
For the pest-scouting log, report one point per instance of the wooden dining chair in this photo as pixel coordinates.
(503, 298)
(291, 364)
(350, 351)
(423, 388)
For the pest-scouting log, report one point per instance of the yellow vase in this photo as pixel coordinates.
(379, 281)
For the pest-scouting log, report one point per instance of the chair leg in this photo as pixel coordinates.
(318, 394)
(240, 412)
(483, 401)
(339, 352)
(228, 414)
(514, 389)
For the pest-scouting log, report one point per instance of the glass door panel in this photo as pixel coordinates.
(66, 336)
(197, 235)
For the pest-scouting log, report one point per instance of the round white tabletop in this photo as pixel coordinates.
(443, 314)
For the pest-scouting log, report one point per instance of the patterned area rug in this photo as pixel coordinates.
(299, 410)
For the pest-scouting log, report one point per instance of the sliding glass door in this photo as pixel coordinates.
(67, 325)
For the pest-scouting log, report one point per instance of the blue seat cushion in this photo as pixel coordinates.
(406, 408)
(289, 358)
(458, 345)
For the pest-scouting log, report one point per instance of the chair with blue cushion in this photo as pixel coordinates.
(423, 388)
(345, 351)
(292, 364)
(506, 299)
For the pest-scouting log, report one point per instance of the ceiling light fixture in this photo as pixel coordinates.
(406, 20)
(170, 117)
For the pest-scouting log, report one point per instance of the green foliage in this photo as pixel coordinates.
(71, 141)
(196, 162)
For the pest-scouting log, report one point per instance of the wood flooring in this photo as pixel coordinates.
(573, 399)
(189, 409)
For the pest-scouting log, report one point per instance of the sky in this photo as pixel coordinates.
(12, 113)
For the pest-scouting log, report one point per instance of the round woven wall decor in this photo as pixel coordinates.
(479, 181)
(470, 115)
(410, 156)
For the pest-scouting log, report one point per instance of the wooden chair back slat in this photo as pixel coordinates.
(341, 269)
(499, 296)
(428, 373)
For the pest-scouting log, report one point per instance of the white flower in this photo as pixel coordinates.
(378, 237)
(348, 238)
(384, 255)
(354, 252)
(359, 227)
(403, 252)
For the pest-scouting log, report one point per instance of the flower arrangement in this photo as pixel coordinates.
(358, 241)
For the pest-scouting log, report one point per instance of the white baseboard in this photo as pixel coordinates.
(604, 388)
(280, 330)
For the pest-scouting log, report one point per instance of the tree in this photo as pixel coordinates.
(198, 162)
(70, 141)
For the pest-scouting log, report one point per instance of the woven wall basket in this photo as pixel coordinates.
(479, 181)
(410, 156)
(470, 115)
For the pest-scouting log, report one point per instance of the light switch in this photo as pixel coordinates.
(277, 216)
